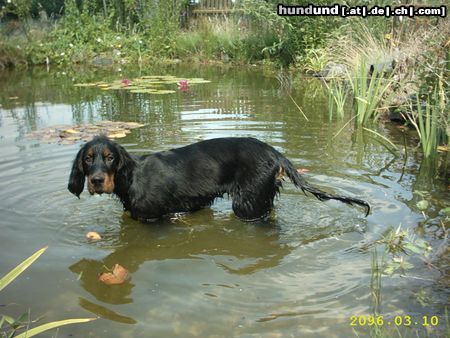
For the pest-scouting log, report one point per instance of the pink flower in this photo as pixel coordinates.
(183, 85)
(126, 82)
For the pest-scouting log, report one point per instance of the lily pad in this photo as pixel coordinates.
(198, 81)
(147, 84)
(66, 134)
(85, 85)
(163, 91)
(143, 91)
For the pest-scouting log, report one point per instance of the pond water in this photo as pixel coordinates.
(303, 273)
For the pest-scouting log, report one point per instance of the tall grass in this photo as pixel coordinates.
(368, 88)
(429, 121)
(337, 97)
(211, 39)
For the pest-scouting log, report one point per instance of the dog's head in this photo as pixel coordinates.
(99, 160)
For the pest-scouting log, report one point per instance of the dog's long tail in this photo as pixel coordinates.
(300, 182)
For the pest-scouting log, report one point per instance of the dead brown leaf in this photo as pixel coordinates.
(117, 276)
(93, 235)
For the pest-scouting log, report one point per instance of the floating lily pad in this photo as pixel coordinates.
(163, 91)
(85, 85)
(147, 84)
(67, 134)
(143, 91)
(198, 81)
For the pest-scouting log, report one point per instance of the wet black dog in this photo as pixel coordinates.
(191, 177)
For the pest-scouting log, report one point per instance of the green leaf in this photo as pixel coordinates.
(9, 277)
(8, 319)
(45, 327)
(413, 248)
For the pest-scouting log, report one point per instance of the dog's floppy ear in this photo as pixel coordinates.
(125, 160)
(76, 179)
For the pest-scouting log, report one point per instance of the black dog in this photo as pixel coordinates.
(191, 177)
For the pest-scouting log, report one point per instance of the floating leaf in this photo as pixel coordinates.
(145, 84)
(163, 91)
(143, 91)
(133, 125)
(93, 235)
(117, 276)
(117, 135)
(302, 170)
(71, 131)
(198, 81)
(85, 84)
(65, 134)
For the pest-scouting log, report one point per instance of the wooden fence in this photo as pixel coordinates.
(211, 7)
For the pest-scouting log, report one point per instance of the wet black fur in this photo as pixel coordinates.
(192, 177)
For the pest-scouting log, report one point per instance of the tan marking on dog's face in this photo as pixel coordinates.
(106, 188)
(106, 152)
(98, 162)
(108, 185)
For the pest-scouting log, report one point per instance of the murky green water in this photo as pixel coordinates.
(207, 274)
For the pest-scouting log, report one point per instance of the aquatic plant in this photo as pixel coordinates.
(11, 326)
(337, 96)
(148, 84)
(368, 85)
(430, 120)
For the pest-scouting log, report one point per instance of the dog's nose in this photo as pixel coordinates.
(97, 179)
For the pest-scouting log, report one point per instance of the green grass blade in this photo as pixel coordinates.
(9, 277)
(381, 136)
(45, 327)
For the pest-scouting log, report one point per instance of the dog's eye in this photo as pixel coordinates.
(109, 158)
(88, 159)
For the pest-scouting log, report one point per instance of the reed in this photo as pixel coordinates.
(368, 88)
(430, 119)
(337, 97)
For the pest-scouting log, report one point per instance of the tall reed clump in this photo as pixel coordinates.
(365, 65)
(337, 97)
(368, 86)
(430, 120)
(9, 326)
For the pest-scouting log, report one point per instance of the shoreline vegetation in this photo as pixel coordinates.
(379, 68)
